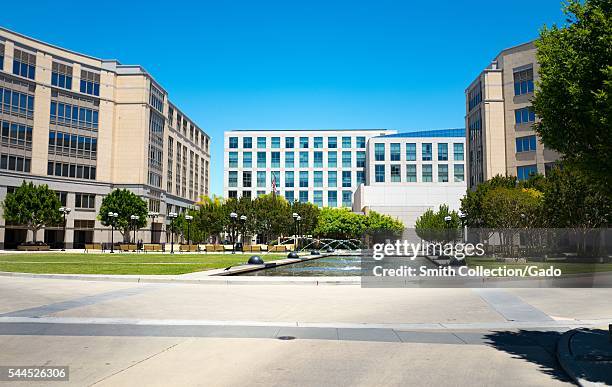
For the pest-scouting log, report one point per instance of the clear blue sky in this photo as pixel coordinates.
(288, 64)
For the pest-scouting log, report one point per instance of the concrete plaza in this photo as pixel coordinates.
(118, 333)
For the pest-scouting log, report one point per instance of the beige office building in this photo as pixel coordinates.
(499, 119)
(85, 126)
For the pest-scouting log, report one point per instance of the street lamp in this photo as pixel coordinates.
(172, 216)
(243, 219)
(299, 229)
(153, 215)
(448, 219)
(462, 216)
(295, 215)
(65, 211)
(233, 217)
(112, 217)
(134, 219)
(188, 218)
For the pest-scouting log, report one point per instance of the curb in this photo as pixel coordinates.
(566, 360)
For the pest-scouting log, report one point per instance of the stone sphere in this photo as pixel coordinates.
(255, 260)
(330, 250)
(293, 254)
(315, 252)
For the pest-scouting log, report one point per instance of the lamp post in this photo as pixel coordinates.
(295, 229)
(112, 217)
(65, 211)
(188, 218)
(448, 219)
(463, 226)
(172, 216)
(243, 219)
(134, 219)
(233, 217)
(153, 215)
(299, 229)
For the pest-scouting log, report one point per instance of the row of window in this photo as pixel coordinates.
(87, 201)
(14, 134)
(17, 103)
(73, 145)
(395, 152)
(67, 114)
(56, 168)
(24, 64)
(526, 144)
(61, 75)
(395, 173)
(289, 178)
(303, 197)
(15, 163)
(304, 142)
(304, 159)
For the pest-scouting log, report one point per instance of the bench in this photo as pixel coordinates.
(188, 248)
(152, 247)
(280, 248)
(214, 248)
(93, 246)
(127, 247)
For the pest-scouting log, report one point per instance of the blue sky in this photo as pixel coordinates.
(303, 65)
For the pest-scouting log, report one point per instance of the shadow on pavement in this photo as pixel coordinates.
(538, 347)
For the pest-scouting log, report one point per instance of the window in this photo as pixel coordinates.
(523, 82)
(24, 64)
(289, 195)
(246, 194)
(303, 196)
(261, 159)
(332, 198)
(318, 178)
(379, 173)
(289, 142)
(410, 151)
(361, 142)
(318, 198)
(261, 179)
(289, 162)
(275, 159)
(318, 159)
(426, 173)
(442, 173)
(156, 99)
(247, 160)
(474, 97)
(233, 179)
(442, 152)
(233, 159)
(247, 142)
(304, 142)
(523, 173)
(275, 178)
(332, 159)
(303, 159)
(232, 194)
(411, 173)
(396, 173)
(17, 163)
(395, 152)
(361, 157)
(379, 152)
(318, 142)
(346, 159)
(289, 179)
(303, 179)
(332, 179)
(458, 151)
(233, 142)
(275, 142)
(360, 177)
(426, 152)
(524, 115)
(332, 142)
(260, 193)
(459, 173)
(346, 179)
(347, 198)
(87, 201)
(346, 142)
(70, 170)
(261, 142)
(1, 56)
(526, 144)
(61, 75)
(16, 103)
(247, 179)
(90, 83)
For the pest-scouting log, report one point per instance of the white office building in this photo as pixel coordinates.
(323, 167)
(408, 173)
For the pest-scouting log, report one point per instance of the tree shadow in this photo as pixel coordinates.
(534, 346)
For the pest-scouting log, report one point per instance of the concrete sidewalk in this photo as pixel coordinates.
(586, 356)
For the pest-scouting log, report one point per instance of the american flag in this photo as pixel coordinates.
(273, 184)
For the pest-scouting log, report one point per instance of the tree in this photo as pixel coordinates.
(33, 206)
(379, 226)
(471, 203)
(339, 223)
(309, 214)
(573, 98)
(432, 226)
(125, 203)
(211, 217)
(272, 216)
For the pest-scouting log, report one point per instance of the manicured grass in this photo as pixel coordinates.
(118, 263)
(566, 267)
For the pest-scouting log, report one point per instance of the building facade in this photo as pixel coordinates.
(85, 126)
(323, 167)
(499, 119)
(409, 173)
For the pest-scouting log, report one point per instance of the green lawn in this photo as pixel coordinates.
(118, 263)
(566, 267)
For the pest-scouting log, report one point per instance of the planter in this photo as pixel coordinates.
(33, 247)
